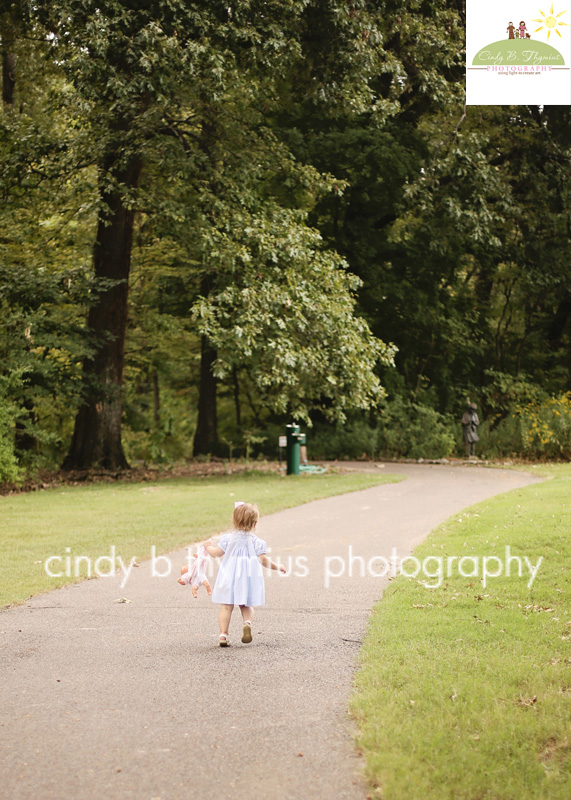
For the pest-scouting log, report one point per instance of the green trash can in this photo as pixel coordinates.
(294, 440)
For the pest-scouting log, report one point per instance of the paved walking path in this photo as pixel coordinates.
(120, 701)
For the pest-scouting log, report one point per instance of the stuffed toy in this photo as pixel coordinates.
(195, 574)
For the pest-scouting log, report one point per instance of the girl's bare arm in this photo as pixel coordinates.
(213, 549)
(267, 562)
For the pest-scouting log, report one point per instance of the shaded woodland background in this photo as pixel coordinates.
(217, 218)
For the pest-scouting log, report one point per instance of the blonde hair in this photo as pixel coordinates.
(245, 517)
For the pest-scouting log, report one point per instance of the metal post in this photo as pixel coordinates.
(292, 449)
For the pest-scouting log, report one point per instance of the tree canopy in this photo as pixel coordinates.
(217, 218)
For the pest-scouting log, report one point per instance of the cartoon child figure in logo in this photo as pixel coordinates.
(522, 30)
(517, 33)
(511, 30)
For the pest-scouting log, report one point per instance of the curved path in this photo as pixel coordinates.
(106, 700)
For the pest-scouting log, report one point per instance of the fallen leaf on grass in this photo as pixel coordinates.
(526, 701)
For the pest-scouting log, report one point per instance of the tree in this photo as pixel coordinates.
(46, 223)
(102, 47)
(13, 21)
(286, 319)
(481, 244)
(130, 67)
(377, 152)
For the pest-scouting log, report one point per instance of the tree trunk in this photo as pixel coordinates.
(97, 434)
(206, 436)
(156, 399)
(559, 322)
(8, 77)
(237, 401)
(26, 442)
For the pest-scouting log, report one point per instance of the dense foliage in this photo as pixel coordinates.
(216, 218)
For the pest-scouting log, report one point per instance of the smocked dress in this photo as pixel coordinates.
(240, 579)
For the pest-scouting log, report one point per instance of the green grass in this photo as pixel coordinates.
(444, 698)
(133, 517)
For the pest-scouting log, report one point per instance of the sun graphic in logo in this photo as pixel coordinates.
(550, 22)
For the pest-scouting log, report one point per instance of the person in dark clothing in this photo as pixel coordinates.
(470, 424)
(510, 29)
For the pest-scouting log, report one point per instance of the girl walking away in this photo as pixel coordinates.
(240, 580)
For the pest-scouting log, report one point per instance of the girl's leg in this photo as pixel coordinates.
(247, 613)
(247, 616)
(224, 616)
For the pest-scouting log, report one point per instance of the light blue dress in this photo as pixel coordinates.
(240, 579)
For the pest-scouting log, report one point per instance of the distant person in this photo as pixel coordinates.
(470, 424)
(511, 30)
(240, 580)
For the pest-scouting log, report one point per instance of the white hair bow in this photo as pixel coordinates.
(239, 503)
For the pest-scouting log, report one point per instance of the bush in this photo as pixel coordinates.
(401, 430)
(499, 440)
(504, 392)
(9, 470)
(415, 431)
(539, 429)
(546, 427)
(351, 440)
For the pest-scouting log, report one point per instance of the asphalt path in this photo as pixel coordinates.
(100, 699)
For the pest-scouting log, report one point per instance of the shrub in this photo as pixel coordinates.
(504, 392)
(351, 440)
(401, 430)
(9, 470)
(537, 429)
(546, 427)
(499, 440)
(415, 431)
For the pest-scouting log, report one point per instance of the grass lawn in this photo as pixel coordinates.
(133, 517)
(464, 692)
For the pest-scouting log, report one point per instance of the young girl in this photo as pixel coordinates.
(240, 580)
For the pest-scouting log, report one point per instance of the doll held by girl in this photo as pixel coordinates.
(195, 573)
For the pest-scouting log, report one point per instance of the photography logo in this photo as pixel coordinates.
(538, 70)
